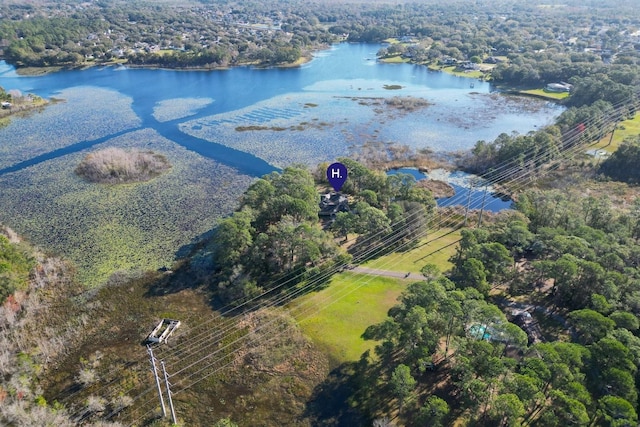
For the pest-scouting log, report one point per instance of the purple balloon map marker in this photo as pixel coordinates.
(337, 175)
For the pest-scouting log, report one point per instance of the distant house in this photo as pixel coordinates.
(528, 324)
(492, 60)
(467, 66)
(332, 203)
(558, 87)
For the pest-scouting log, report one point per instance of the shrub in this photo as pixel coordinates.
(15, 265)
(623, 163)
(118, 166)
(407, 103)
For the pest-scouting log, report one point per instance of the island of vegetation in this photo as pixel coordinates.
(117, 166)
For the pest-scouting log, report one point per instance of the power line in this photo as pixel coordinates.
(506, 175)
(198, 372)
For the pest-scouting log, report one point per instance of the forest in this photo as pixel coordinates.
(449, 350)
(535, 44)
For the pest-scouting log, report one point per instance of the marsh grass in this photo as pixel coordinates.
(117, 166)
(104, 229)
(407, 103)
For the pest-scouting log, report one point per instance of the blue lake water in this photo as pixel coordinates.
(469, 190)
(325, 97)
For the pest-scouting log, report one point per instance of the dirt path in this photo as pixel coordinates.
(387, 273)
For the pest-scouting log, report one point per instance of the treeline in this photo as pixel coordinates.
(623, 163)
(527, 153)
(41, 42)
(273, 55)
(447, 352)
(178, 35)
(276, 234)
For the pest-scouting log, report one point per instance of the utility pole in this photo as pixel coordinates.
(166, 381)
(152, 359)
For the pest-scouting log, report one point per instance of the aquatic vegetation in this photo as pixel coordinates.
(178, 108)
(284, 130)
(88, 113)
(407, 103)
(117, 166)
(253, 127)
(105, 228)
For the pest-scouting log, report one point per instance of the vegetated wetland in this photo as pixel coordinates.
(283, 130)
(178, 108)
(86, 113)
(104, 229)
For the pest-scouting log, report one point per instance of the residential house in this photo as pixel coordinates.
(332, 203)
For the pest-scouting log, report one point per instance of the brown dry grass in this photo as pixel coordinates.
(118, 166)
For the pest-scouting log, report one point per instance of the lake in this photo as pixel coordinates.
(325, 106)
(219, 130)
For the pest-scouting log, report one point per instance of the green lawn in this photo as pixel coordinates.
(476, 74)
(434, 249)
(349, 305)
(627, 128)
(544, 94)
(353, 301)
(398, 59)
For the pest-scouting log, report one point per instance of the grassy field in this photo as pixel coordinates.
(476, 74)
(338, 327)
(434, 249)
(626, 129)
(544, 94)
(398, 59)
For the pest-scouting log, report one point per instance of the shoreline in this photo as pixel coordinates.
(41, 71)
(23, 110)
